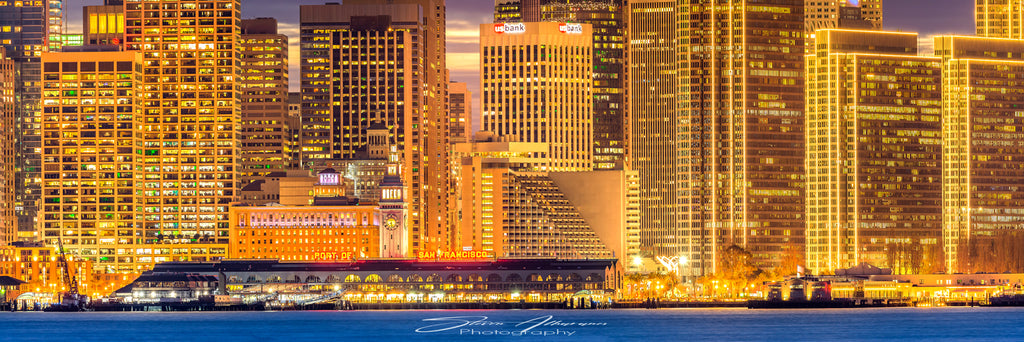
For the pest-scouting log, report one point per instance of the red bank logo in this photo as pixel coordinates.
(570, 28)
(510, 28)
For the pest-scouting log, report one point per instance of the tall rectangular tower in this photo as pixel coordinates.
(609, 48)
(874, 140)
(537, 86)
(741, 107)
(190, 117)
(460, 112)
(265, 139)
(653, 141)
(8, 189)
(364, 63)
(983, 150)
(35, 27)
(90, 136)
(999, 18)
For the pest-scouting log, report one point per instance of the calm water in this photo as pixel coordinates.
(925, 324)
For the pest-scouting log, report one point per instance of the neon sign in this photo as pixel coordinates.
(454, 255)
(330, 256)
(570, 28)
(511, 28)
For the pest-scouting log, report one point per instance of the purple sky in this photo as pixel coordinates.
(928, 17)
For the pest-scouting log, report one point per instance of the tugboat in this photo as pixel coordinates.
(70, 300)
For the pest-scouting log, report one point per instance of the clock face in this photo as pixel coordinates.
(391, 222)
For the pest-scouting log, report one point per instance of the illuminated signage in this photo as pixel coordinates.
(510, 28)
(455, 255)
(330, 256)
(570, 28)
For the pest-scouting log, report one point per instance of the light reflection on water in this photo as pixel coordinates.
(927, 324)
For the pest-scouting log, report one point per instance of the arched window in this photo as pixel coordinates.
(352, 278)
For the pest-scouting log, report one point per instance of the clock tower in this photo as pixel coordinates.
(394, 232)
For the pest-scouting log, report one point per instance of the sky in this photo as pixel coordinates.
(927, 17)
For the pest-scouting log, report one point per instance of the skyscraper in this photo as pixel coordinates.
(265, 145)
(8, 189)
(741, 123)
(104, 25)
(874, 141)
(90, 133)
(609, 49)
(33, 24)
(536, 86)
(190, 118)
(850, 14)
(652, 121)
(460, 112)
(983, 150)
(999, 18)
(366, 63)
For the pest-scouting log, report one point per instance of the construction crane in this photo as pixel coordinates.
(70, 300)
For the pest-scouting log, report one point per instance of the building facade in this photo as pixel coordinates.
(983, 223)
(741, 123)
(190, 115)
(103, 25)
(537, 87)
(606, 17)
(8, 187)
(33, 29)
(874, 159)
(365, 63)
(653, 142)
(999, 18)
(305, 233)
(265, 141)
(460, 112)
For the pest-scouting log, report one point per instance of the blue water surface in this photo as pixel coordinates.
(918, 324)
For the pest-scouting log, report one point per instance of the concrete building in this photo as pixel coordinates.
(874, 153)
(90, 133)
(190, 115)
(104, 25)
(983, 219)
(8, 152)
(741, 123)
(305, 233)
(609, 202)
(33, 29)
(366, 63)
(265, 141)
(609, 52)
(847, 14)
(292, 187)
(653, 140)
(537, 87)
(999, 18)
(460, 112)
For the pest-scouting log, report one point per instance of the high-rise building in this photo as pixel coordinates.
(189, 121)
(848, 14)
(741, 127)
(460, 112)
(609, 49)
(104, 25)
(874, 153)
(265, 142)
(8, 189)
(90, 133)
(651, 53)
(983, 150)
(366, 63)
(537, 87)
(33, 29)
(999, 18)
